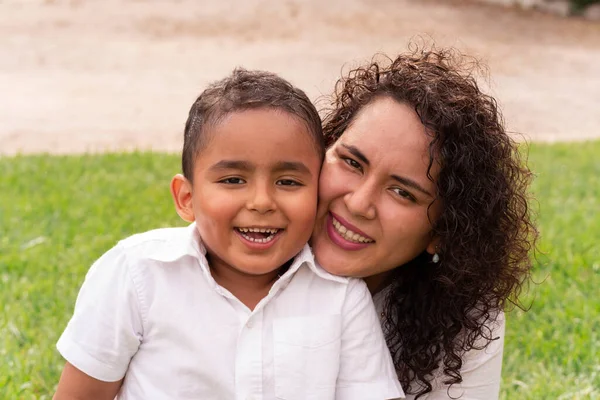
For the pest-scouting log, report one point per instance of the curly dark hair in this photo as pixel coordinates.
(435, 312)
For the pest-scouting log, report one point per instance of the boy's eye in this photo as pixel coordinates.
(232, 181)
(351, 162)
(288, 182)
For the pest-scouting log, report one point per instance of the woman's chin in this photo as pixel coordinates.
(336, 262)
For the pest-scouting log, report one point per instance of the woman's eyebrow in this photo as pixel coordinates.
(403, 180)
(357, 153)
(410, 183)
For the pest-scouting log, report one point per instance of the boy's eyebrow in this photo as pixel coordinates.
(291, 166)
(246, 166)
(357, 153)
(232, 164)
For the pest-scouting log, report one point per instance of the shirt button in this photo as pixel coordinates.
(249, 325)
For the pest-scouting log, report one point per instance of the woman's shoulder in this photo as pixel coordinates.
(482, 363)
(484, 350)
(481, 368)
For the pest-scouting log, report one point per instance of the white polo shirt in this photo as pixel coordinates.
(150, 311)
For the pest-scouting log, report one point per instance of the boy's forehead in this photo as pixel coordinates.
(246, 131)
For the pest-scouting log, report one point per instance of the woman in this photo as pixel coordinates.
(423, 195)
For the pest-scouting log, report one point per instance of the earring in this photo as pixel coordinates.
(436, 258)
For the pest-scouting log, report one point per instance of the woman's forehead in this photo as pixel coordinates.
(391, 137)
(386, 126)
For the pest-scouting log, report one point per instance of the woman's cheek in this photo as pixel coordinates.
(334, 182)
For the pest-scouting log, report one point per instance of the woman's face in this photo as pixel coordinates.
(374, 194)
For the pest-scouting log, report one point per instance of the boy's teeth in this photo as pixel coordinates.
(261, 240)
(348, 234)
(270, 231)
(259, 230)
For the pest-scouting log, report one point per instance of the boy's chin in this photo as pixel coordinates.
(259, 269)
(263, 269)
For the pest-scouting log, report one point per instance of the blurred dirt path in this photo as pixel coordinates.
(121, 74)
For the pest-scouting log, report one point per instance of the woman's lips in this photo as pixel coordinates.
(348, 225)
(338, 239)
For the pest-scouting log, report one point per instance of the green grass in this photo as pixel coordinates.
(58, 214)
(553, 351)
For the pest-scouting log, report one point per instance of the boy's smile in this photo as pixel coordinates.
(254, 192)
(259, 238)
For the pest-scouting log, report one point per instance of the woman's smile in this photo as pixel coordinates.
(345, 235)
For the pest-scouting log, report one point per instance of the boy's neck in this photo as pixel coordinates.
(249, 289)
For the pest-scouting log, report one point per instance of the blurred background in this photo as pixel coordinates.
(90, 75)
(109, 76)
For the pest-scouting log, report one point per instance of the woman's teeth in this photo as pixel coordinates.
(348, 234)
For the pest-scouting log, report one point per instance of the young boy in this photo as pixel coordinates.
(233, 306)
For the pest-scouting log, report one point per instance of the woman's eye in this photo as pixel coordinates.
(403, 193)
(232, 181)
(352, 163)
(288, 182)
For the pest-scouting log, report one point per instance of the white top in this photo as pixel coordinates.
(150, 311)
(480, 371)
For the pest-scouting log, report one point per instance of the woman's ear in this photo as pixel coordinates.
(433, 245)
(181, 190)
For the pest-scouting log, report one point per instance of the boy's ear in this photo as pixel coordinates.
(181, 190)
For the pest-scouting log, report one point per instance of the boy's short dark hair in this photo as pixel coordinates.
(240, 91)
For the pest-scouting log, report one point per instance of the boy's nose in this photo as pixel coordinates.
(261, 201)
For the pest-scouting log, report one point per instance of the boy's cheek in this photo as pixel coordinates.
(308, 213)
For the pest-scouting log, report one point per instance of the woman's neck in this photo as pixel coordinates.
(376, 283)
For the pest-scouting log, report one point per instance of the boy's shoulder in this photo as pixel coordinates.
(163, 244)
(154, 236)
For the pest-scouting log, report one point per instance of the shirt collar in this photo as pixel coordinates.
(184, 242)
(187, 242)
(306, 257)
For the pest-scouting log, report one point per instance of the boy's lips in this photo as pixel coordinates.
(345, 235)
(258, 238)
(261, 229)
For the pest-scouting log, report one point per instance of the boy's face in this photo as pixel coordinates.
(254, 190)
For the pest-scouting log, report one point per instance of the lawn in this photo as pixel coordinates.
(58, 214)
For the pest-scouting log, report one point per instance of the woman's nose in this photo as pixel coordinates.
(360, 201)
